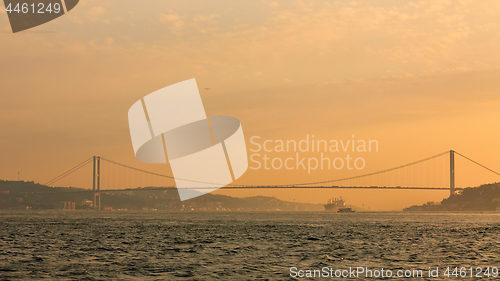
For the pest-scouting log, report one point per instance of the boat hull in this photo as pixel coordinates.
(332, 208)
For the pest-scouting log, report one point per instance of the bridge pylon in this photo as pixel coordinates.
(452, 173)
(96, 182)
(93, 182)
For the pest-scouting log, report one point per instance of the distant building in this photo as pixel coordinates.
(87, 203)
(69, 206)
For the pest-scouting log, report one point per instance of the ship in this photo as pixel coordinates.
(345, 210)
(334, 204)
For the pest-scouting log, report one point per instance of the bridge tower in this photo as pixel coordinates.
(93, 182)
(452, 173)
(96, 181)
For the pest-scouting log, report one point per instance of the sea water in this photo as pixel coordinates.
(90, 245)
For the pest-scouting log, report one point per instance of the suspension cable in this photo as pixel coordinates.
(298, 184)
(371, 174)
(70, 171)
(136, 169)
(155, 174)
(478, 164)
(74, 169)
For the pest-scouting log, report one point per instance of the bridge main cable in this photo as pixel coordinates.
(478, 164)
(365, 175)
(69, 172)
(289, 185)
(154, 174)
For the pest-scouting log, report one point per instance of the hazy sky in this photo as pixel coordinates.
(421, 77)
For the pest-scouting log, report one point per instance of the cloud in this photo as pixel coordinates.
(395, 68)
(332, 40)
(95, 12)
(174, 21)
(205, 18)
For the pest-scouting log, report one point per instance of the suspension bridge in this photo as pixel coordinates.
(432, 173)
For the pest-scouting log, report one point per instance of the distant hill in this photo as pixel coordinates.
(21, 195)
(483, 198)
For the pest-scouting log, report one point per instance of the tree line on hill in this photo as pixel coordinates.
(483, 198)
(22, 195)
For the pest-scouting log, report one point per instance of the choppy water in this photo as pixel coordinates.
(236, 246)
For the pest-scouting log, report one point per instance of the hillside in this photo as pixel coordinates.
(483, 198)
(21, 195)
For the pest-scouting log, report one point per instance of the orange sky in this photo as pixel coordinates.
(421, 77)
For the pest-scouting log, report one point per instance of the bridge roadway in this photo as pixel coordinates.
(250, 187)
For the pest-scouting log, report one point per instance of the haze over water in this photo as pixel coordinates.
(237, 245)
